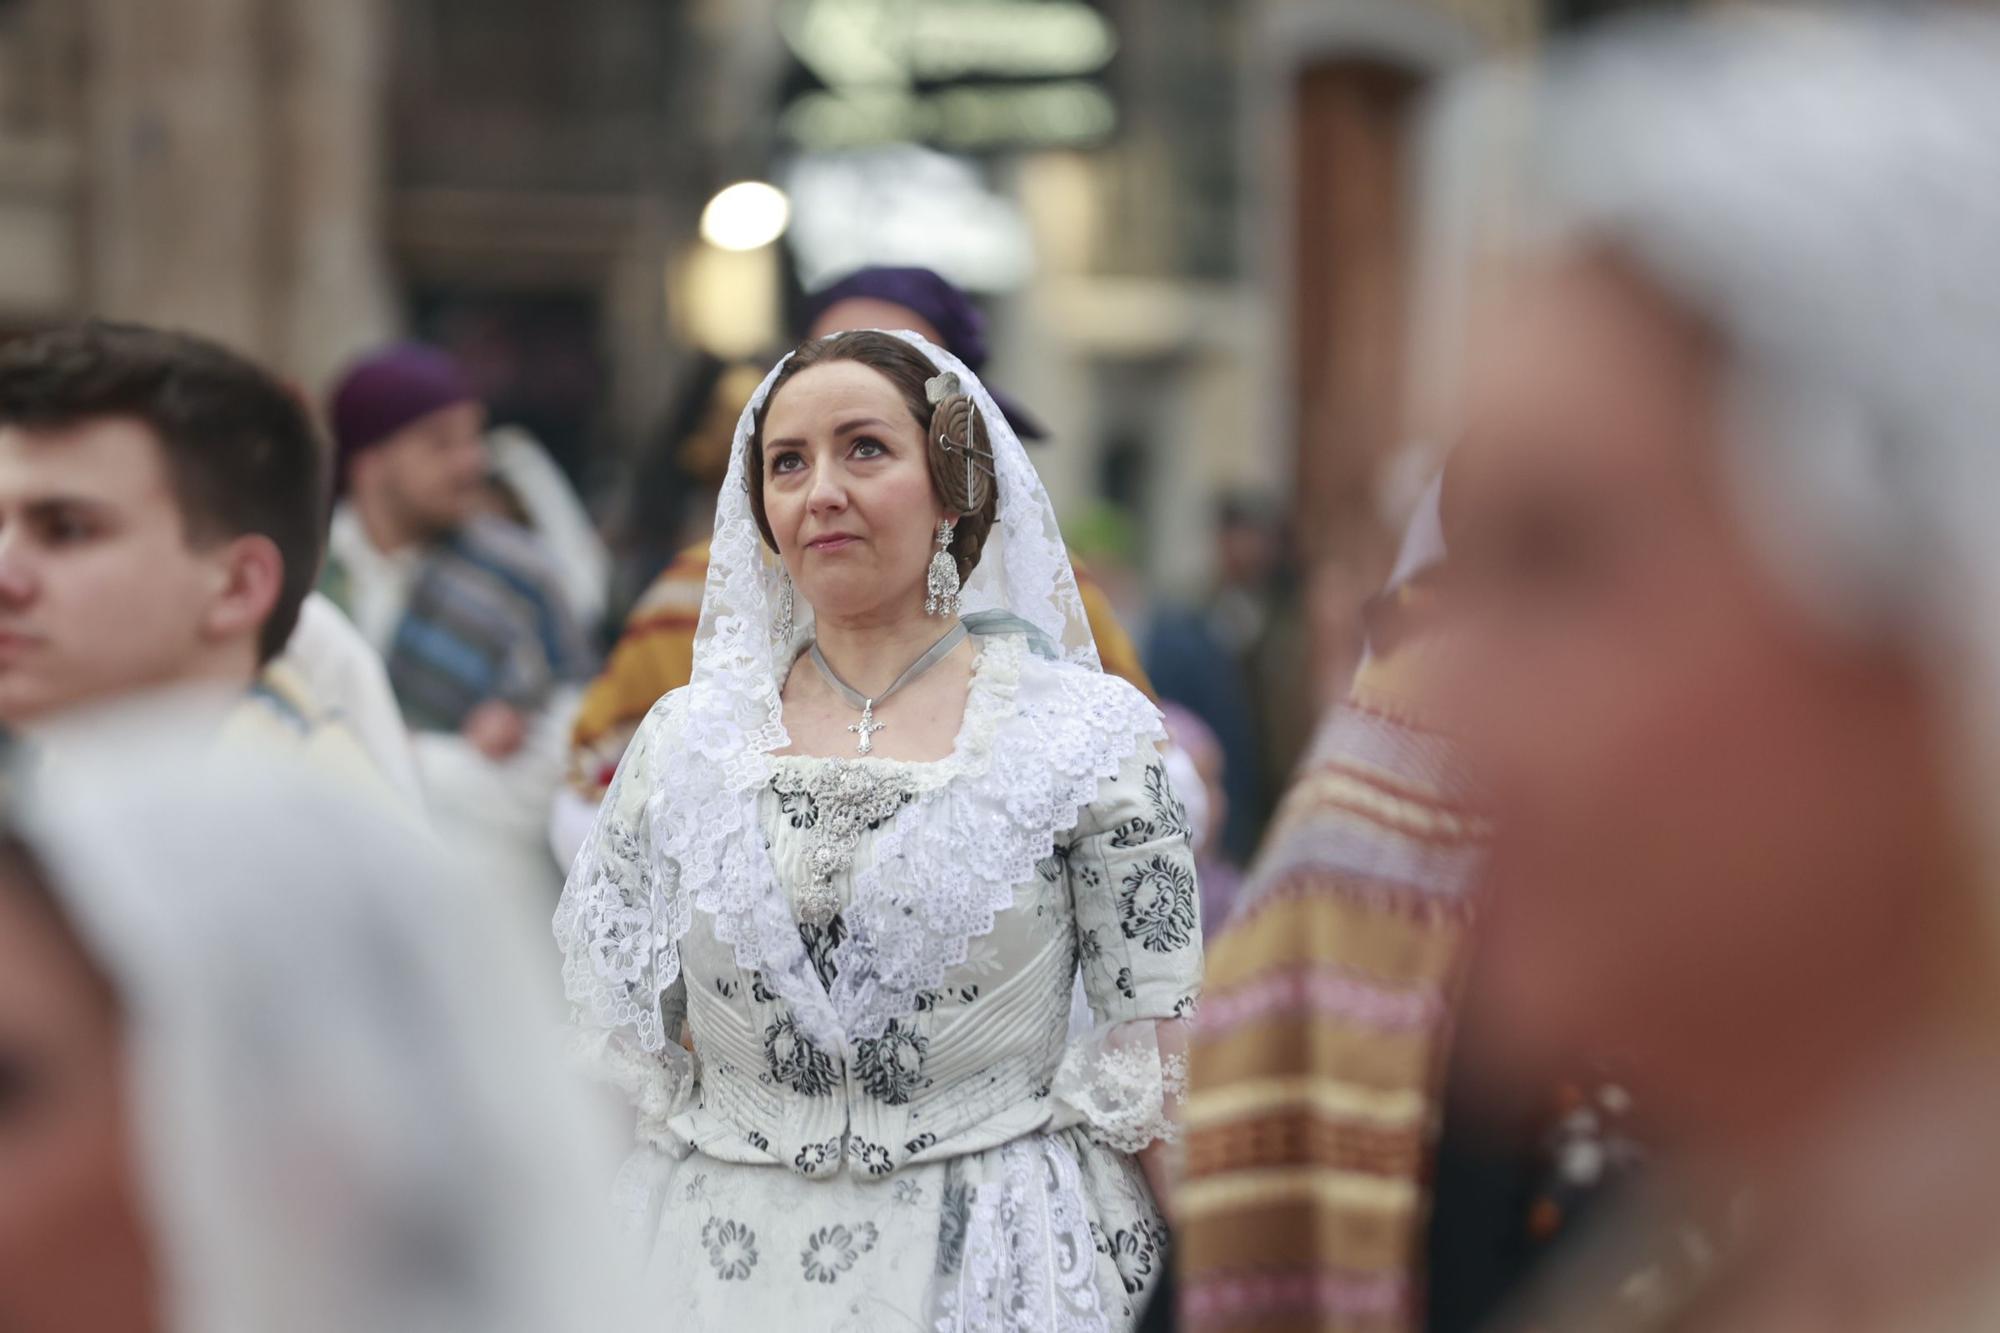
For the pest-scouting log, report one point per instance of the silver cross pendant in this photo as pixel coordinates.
(866, 727)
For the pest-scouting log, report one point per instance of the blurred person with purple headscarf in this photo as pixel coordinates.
(466, 608)
(921, 301)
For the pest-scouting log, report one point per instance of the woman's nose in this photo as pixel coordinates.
(827, 493)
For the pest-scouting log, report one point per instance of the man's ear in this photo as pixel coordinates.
(251, 576)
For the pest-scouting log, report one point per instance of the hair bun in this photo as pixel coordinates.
(961, 454)
(961, 457)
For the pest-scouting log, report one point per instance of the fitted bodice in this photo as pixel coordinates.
(900, 988)
(975, 1062)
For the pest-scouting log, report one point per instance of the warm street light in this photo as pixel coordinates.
(746, 216)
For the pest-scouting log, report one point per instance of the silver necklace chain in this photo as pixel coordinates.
(868, 726)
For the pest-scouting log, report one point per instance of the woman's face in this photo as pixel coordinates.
(73, 1254)
(1716, 822)
(847, 492)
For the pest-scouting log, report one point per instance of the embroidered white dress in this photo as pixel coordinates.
(890, 1127)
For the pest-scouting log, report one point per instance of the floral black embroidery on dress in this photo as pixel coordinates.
(891, 1066)
(820, 942)
(795, 1062)
(1168, 810)
(833, 1250)
(953, 1219)
(732, 1248)
(1156, 905)
(814, 1156)
(870, 1157)
(1135, 1250)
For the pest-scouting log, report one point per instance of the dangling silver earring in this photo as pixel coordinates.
(781, 629)
(942, 585)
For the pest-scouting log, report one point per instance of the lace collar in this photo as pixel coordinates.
(1037, 740)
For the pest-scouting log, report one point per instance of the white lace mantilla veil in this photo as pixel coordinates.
(709, 748)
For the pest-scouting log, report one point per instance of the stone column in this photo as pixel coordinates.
(234, 173)
(329, 185)
(1349, 238)
(175, 171)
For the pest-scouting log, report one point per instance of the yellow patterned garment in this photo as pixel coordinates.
(655, 656)
(1318, 1060)
(279, 715)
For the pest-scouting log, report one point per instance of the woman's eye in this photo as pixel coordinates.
(869, 448)
(787, 463)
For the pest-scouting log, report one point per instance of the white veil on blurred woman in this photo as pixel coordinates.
(1734, 684)
(346, 1109)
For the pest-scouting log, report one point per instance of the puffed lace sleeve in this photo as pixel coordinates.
(1138, 931)
(621, 946)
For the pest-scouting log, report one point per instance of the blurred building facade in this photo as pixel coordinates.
(211, 164)
(301, 179)
(1203, 288)
(549, 163)
(1360, 248)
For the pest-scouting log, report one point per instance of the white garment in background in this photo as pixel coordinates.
(346, 677)
(492, 814)
(379, 582)
(349, 1105)
(571, 814)
(556, 514)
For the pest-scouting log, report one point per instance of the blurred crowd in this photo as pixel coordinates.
(1617, 951)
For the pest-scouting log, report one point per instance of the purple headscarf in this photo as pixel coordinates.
(386, 391)
(960, 326)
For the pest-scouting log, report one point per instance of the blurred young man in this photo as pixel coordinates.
(161, 503)
(465, 607)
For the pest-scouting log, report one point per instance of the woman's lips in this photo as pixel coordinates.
(836, 542)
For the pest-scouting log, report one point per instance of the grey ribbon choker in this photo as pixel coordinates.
(868, 726)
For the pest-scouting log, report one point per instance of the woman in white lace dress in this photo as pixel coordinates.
(858, 862)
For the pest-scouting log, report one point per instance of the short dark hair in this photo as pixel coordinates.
(240, 448)
(956, 419)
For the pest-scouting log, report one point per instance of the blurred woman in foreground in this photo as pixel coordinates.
(1726, 514)
(260, 1069)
